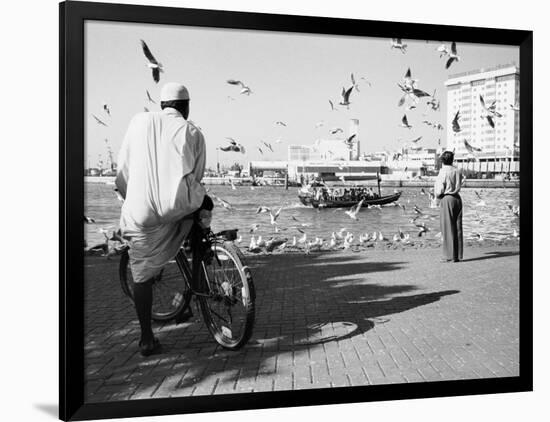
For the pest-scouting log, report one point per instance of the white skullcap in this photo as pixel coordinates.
(173, 91)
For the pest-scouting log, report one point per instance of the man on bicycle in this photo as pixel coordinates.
(160, 167)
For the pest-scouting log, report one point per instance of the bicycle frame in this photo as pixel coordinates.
(200, 240)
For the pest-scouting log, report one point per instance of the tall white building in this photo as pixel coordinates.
(500, 83)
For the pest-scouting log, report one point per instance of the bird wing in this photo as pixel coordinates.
(404, 120)
(482, 101)
(347, 94)
(491, 121)
(456, 126)
(408, 74)
(417, 139)
(148, 53)
(231, 141)
(449, 62)
(419, 93)
(225, 149)
(453, 48)
(235, 82)
(331, 104)
(99, 120)
(350, 139)
(468, 146)
(156, 74)
(401, 101)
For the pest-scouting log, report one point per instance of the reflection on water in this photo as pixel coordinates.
(489, 216)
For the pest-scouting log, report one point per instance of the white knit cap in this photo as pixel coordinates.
(173, 91)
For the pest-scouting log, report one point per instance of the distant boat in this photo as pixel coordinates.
(320, 195)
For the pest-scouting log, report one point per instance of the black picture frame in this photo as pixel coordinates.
(72, 16)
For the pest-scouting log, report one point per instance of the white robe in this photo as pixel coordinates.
(160, 166)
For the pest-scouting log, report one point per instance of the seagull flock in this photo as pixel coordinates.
(411, 95)
(289, 232)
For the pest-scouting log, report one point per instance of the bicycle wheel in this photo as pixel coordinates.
(228, 311)
(171, 293)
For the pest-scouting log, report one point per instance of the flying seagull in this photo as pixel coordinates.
(244, 89)
(405, 122)
(414, 141)
(233, 146)
(106, 109)
(345, 96)
(152, 63)
(278, 122)
(456, 126)
(490, 112)
(398, 44)
(453, 56)
(433, 103)
(223, 203)
(410, 90)
(471, 149)
(336, 130)
(408, 81)
(349, 140)
(99, 121)
(274, 217)
(443, 50)
(352, 212)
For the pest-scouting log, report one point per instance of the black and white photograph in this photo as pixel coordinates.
(276, 211)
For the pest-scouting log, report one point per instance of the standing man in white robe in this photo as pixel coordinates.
(160, 167)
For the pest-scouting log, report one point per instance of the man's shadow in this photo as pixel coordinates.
(491, 255)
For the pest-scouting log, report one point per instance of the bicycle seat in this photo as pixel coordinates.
(228, 234)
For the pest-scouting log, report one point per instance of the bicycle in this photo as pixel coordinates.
(210, 267)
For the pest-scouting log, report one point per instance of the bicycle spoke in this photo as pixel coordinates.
(218, 315)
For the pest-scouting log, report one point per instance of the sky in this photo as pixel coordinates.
(292, 76)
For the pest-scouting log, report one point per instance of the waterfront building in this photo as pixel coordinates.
(499, 145)
(302, 153)
(499, 84)
(333, 150)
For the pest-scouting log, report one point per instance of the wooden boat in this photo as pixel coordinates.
(322, 196)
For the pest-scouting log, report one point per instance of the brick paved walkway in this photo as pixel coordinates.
(327, 319)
